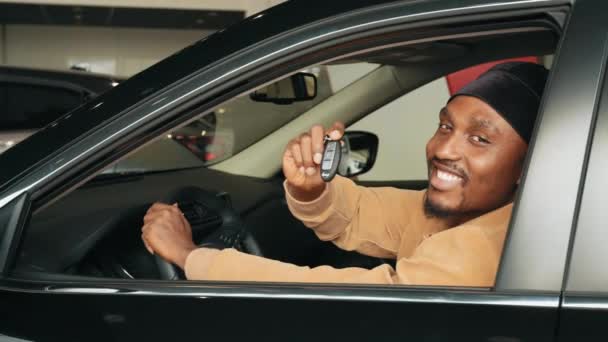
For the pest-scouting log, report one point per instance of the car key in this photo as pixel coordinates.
(331, 159)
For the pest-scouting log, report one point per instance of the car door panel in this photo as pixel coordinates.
(30, 316)
(584, 315)
(547, 201)
(279, 313)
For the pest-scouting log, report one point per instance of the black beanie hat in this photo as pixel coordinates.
(514, 90)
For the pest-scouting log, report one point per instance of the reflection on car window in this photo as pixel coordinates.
(27, 107)
(22, 112)
(235, 125)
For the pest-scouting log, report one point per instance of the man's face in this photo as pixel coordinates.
(474, 160)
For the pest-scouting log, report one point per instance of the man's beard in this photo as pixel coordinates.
(432, 210)
(456, 216)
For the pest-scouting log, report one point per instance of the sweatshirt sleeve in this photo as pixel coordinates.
(467, 260)
(368, 220)
(467, 255)
(231, 265)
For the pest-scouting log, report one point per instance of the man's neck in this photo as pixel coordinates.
(456, 220)
(451, 220)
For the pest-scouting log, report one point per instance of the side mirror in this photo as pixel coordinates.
(358, 153)
(298, 87)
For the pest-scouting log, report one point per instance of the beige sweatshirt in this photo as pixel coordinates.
(381, 222)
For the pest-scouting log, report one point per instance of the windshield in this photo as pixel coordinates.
(232, 127)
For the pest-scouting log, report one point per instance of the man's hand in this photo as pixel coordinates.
(167, 233)
(302, 160)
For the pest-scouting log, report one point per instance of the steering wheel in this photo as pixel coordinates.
(214, 224)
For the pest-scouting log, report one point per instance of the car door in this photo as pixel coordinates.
(584, 312)
(58, 307)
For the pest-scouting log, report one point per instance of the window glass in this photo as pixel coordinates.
(237, 124)
(403, 127)
(342, 75)
(27, 106)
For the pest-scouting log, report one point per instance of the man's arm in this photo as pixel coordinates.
(231, 265)
(368, 220)
(464, 256)
(467, 255)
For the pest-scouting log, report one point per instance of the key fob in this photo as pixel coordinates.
(331, 159)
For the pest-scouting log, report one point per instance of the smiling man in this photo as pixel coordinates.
(475, 160)
(450, 234)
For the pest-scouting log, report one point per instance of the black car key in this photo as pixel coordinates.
(331, 159)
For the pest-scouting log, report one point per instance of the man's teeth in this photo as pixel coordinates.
(447, 176)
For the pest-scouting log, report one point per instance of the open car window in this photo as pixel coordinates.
(236, 150)
(234, 126)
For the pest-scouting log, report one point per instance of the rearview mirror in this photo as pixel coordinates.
(298, 87)
(358, 153)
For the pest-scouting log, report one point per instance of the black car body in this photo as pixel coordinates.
(551, 284)
(32, 98)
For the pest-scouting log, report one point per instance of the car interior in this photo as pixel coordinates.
(94, 231)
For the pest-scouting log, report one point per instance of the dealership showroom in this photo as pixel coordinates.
(297, 170)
